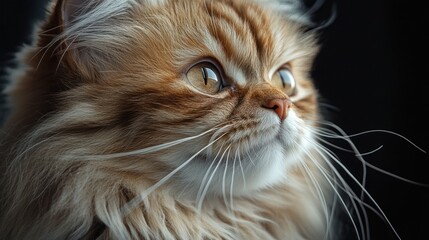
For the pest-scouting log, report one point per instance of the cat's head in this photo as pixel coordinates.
(217, 92)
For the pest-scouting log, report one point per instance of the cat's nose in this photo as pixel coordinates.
(280, 106)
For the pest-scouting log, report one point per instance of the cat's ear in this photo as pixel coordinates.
(92, 33)
(71, 9)
(79, 24)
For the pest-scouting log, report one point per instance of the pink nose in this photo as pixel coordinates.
(280, 106)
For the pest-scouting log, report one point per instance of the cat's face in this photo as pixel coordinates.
(231, 75)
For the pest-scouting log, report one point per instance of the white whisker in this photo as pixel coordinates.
(242, 170)
(145, 150)
(217, 133)
(317, 187)
(311, 157)
(231, 191)
(363, 189)
(390, 132)
(330, 144)
(318, 132)
(134, 203)
(395, 176)
(248, 155)
(371, 152)
(200, 190)
(345, 187)
(354, 148)
(231, 198)
(224, 179)
(200, 202)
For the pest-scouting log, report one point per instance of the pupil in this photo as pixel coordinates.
(208, 74)
(204, 72)
(283, 78)
(286, 78)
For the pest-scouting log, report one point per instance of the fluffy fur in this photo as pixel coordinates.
(107, 138)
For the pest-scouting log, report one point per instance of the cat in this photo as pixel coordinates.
(162, 119)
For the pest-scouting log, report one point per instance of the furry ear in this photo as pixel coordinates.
(70, 9)
(87, 29)
(95, 32)
(70, 17)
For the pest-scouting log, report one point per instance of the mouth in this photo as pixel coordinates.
(250, 138)
(242, 140)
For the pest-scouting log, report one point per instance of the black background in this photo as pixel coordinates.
(373, 72)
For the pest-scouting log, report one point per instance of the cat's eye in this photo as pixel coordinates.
(283, 79)
(205, 77)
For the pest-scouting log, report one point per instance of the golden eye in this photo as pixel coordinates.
(205, 77)
(283, 79)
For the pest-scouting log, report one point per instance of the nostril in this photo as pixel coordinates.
(279, 106)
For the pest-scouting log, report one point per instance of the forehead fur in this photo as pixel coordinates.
(241, 34)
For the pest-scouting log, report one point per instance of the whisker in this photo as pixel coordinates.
(200, 190)
(311, 157)
(371, 152)
(331, 216)
(368, 132)
(344, 186)
(365, 192)
(134, 203)
(347, 150)
(145, 150)
(360, 155)
(354, 148)
(242, 171)
(343, 149)
(217, 133)
(389, 132)
(396, 176)
(329, 106)
(231, 198)
(248, 155)
(200, 202)
(224, 178)
(331, 144)
(346, 189)
(232, 182)
(317, 187)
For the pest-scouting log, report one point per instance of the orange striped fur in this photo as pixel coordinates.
(107, 137)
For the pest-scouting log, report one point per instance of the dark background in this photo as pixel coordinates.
(373, 72)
